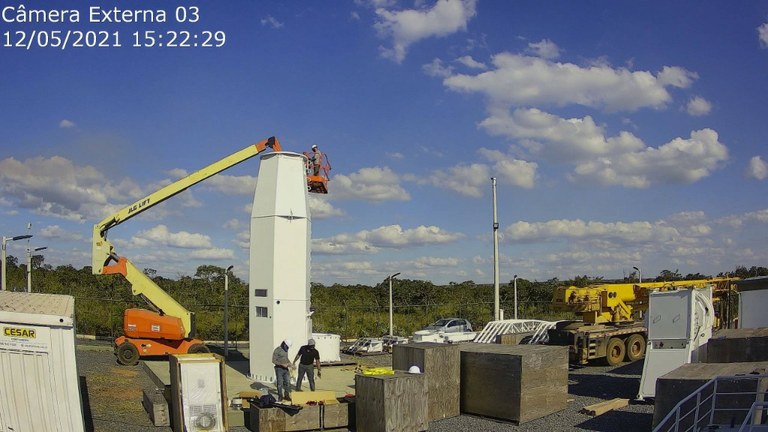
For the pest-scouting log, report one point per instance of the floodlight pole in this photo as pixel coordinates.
(514, 282)
(3, 287)
(29, 266)
(226, 310)
(390, 303)
(496, 313)
(639, 275)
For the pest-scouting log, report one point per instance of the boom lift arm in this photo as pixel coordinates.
(106, 261)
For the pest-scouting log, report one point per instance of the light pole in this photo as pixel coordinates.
(29, 266)
(514, 282)
(639, 275)
(226, 310)
(390, 302)
(5, 261)
(496, 313)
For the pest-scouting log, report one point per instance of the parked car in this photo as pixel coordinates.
(450, 325)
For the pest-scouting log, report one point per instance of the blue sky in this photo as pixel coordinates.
(622, 135)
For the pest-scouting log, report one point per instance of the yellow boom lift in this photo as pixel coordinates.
(169, 328)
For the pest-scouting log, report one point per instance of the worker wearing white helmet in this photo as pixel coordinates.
(315, 160)
(282, 370)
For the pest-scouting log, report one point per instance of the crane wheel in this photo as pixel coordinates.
(635, 345)
(614, 352)
(127, 354)
(198, 349)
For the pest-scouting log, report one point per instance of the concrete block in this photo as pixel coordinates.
(518, 383)
(441, 365)
(738, 345)
(683, 381)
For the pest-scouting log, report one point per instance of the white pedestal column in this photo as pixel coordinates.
(279, 264)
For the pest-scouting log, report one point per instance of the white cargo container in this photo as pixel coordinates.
(39, 383)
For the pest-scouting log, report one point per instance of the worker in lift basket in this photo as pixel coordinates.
(282, 370)
(315, 160)
(310, 358)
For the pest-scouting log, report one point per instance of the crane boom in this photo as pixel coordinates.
(106, 261)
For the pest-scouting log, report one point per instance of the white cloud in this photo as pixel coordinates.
(271, 22)
(396, 155)
(57, 232)
(509, 170)
(57, 187)
(762, 34)
(544, 49)
(590, 230)
(698, 106)
(519, 80)
(160, 236)
(469, 180)
(212, 254)
(66, 124)
(437, 69)
(235, 185)
(389, 236)
(757, 168)
(409, 26)
(469, 62)
(430, 262)
(374, 184)
(232, 224)
(557, 139)
(320, 208)
(678, 161)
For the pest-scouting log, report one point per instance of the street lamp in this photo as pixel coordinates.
(226, 310)
(5, 261)
(514, 282)
(639, 275)
(390, 302)
(29, 266)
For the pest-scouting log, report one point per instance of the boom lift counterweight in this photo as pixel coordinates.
(169, 328)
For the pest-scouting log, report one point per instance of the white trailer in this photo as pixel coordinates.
(39, 383)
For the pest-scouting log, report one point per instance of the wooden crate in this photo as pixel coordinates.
(391, 403)
(518, 383)
(326, 417)
(441, 365)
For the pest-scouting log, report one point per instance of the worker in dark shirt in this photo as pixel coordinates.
(308, 358)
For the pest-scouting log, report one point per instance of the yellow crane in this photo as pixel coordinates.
(610, 314)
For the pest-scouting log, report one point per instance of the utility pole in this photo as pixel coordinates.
(29, 266)
(495, 256)
(226, 311)
(390, 302)
(514, 281)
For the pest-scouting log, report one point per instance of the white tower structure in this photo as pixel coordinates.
(278, 305)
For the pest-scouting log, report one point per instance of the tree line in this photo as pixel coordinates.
(349, 310)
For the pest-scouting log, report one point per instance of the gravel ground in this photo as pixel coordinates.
(115, 393)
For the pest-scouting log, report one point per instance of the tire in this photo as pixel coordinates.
(614, 351)
(198, 349)
(635, 346)
(127, 354)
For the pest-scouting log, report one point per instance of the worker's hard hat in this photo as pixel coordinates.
(414, 370)
(312, 342)
(314, 146)
(288, 343)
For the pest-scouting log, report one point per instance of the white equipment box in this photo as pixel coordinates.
(39, 383)
(679, 324)
(198, 393)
